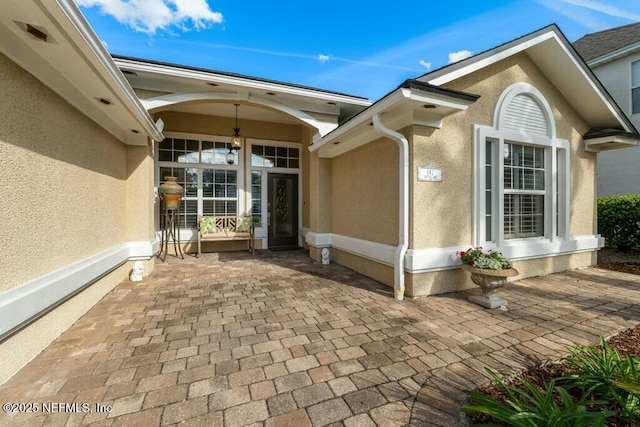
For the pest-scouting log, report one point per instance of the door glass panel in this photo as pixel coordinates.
(283, 207)
(283, 210)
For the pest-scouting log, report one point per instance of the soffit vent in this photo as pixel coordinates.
(524, 114)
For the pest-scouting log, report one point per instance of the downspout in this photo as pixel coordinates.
(403, 229)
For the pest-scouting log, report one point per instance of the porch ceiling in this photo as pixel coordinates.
(245, 112)
(178, 79)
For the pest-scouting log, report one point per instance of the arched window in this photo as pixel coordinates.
(521, 174)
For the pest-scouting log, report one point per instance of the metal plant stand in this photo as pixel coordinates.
(170, 231)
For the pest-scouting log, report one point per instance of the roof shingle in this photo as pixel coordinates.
(595, 45)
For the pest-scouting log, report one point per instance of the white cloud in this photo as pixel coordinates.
(425, 64)
(458, 56)
(148, 16)
(323, 58)
(604, 8)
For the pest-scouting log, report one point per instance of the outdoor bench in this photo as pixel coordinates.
(226, 228)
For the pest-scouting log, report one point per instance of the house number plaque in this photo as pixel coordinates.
(430, 173)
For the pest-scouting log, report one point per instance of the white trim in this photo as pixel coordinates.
(25, 302)
(612, 56)
(318, 240)
(248, 83)
(374, 251)
(167, 101)
(552, 146)
(435, 259)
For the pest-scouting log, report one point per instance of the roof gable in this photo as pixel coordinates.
(560, 63)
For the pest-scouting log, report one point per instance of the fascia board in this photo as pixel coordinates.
(95, 54)
(483, 60)
(364, 117)
(439, 100)
(612, 56)
(248, 84)
(513, 48)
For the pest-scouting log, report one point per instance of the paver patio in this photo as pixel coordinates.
(278, 340)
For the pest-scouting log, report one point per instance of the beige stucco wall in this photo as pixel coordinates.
(365, 192)
(454, 280)
(442, 212)
(64, 181)
(17, 350)
(70, 191)
(214, 125)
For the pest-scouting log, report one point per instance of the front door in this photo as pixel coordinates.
(282, 211)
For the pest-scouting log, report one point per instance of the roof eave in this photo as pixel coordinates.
(413, 95)
(248, 82)
(73, 38)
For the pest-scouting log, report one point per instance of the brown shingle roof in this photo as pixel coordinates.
(597, 44)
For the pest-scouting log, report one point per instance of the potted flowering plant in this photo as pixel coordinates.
(490, 271)
(491, 260)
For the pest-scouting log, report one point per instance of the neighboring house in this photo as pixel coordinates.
(498, 151)
(614, 57)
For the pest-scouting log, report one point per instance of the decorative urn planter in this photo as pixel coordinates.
(170, 192)
(489, 281)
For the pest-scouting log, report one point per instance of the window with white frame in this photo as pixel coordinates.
(210, 184)
(635, 87)
(521, 173)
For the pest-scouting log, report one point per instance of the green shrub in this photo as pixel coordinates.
(527, 406)
(602, 373)
(619, 220)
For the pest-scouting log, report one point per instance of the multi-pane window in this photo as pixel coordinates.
(256, 197)
(207, 190)
(275, 157)
(524, 191)
(491, 143)
(635, 87)
(521, 176)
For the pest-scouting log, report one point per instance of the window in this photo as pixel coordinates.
(523, 191)
(256, 197)
(521, 173)
(210, 184)
(635, 87)
(275, 157)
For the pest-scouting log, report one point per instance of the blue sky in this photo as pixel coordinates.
(360, 48)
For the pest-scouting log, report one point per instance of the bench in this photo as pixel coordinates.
(226, 228)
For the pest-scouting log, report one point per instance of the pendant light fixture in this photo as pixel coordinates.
(236, 141)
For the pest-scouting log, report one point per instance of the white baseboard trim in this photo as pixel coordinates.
(22, 304)
(437, 259)
(375, 251)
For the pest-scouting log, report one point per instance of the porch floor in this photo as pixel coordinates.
(278, 340)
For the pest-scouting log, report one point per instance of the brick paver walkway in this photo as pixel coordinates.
(277, 340)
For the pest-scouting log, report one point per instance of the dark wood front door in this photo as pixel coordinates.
(282, 211)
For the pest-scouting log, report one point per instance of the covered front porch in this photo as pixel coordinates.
(269, 175)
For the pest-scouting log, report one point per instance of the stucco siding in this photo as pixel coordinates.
(64, 181)
(214, 125)
(442, 212)
(365, 193)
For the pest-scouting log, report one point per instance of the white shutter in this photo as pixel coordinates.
(524, 114)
